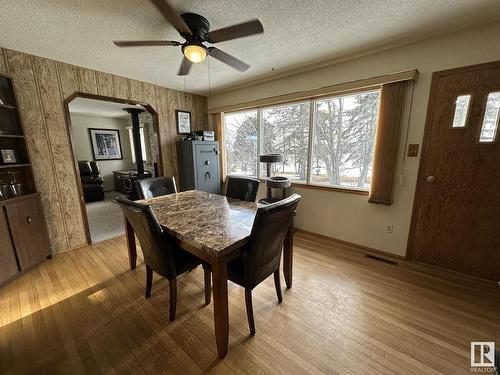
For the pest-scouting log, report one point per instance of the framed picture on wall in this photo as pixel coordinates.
(183, 120)
(8, 156)
(106, 144)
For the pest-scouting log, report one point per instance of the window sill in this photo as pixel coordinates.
(322, 187)
(329, 188)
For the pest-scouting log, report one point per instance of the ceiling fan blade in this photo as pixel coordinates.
(185, 67)
(145, 43)
(228, 59)
(172, 17)
(236, 31)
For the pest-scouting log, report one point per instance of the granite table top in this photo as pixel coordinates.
(210, 222)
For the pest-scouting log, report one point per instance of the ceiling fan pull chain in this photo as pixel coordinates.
(209, 85)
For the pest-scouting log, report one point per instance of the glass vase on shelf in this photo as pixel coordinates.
(5, 190)
(15, 186)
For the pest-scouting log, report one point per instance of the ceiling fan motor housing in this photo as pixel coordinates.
(199, 26)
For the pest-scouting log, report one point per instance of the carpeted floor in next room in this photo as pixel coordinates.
(105, 218)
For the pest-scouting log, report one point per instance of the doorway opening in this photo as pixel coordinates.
(114, 143)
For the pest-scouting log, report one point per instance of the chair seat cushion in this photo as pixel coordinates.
(236, 271)
(184, 261)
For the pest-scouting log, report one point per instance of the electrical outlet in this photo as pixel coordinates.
(389, 228)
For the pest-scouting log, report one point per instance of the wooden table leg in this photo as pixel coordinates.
(132, 251)
(221, 312)
(288, 257)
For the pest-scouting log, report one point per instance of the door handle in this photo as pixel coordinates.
(430, 179)
(207, 175)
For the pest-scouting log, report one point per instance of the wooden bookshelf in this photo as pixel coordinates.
(8, 166)
(12, 138)
(24, 239)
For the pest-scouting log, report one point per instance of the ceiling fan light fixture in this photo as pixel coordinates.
(195, 29)
(194, 52)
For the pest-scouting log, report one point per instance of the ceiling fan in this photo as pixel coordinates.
(196, 30)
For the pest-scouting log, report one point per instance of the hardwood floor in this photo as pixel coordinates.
(85, 312)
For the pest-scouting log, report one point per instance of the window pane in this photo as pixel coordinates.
(132, 146)
(240, 138)
(344, 134)
(285, 130)
(490, 120)
(461, 111)
(131, 139)
(143, 145)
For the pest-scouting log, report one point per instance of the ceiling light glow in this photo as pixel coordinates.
(195, 53)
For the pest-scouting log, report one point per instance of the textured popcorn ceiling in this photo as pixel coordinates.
(296, 33)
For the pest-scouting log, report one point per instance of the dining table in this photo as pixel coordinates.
(214, 228)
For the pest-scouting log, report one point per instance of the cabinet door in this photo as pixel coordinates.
(207, 168)
(8, 264)
(29, 232)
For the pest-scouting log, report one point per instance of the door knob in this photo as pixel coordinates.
(207, 162)
(430, 179)
(29, 219)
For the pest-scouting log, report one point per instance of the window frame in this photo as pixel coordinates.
(308, 184)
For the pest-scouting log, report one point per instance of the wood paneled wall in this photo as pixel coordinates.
(41, 85)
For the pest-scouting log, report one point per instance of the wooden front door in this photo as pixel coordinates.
(456, 215)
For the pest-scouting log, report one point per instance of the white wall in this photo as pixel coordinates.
(348, 216)
(83, 147)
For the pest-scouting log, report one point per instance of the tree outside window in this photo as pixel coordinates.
(240, 137)
(344, 135)
(285, 130)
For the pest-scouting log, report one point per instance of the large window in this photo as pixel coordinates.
(333, 146)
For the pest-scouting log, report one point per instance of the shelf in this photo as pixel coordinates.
(11, 135)
(18, 198)
(5, 166)
(7, 106)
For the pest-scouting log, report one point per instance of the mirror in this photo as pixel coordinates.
(114, 143)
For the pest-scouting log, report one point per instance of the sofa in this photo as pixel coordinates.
(92, 182)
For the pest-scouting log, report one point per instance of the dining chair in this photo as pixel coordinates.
(261, 257)
(155, 186)
(160, 252)
(242, 188)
